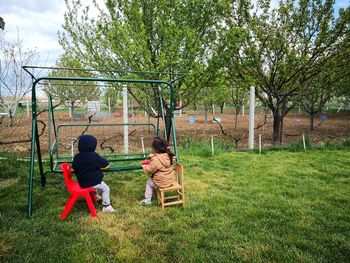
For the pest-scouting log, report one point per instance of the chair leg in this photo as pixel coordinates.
(162, 199)
(90, 205)
(93, 197)
(68, 206)
(158, 196)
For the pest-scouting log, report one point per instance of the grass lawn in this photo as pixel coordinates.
(242, 207)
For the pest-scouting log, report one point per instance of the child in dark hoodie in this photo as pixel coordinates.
(160, 166)
(88, 166)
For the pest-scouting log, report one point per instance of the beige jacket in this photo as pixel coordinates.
(162, 170)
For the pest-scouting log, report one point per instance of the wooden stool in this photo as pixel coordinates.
(177, 187)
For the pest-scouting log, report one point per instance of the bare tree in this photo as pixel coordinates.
(14, 82)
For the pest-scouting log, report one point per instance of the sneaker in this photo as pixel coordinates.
(146, 202)
(108, 209)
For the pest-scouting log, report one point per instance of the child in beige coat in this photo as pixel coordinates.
(160, 167)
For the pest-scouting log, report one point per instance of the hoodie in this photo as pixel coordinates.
(162, 170)
(87, 163)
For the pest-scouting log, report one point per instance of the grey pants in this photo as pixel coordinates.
(104, 188)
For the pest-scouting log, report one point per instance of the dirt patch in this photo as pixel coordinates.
(336, 128)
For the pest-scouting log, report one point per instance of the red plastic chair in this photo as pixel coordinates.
(75, 190)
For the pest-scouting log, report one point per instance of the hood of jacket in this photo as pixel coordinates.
(164, 159)
(87, 143)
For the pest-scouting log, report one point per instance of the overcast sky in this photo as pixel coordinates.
(38, 22)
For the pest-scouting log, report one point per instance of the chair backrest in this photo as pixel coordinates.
(179, 174)
(67, 174)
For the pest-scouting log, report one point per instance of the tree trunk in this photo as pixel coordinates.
(312, 117)
(276, 136)
(222, 106)
(205, 114)
(71, 107)
(236, 119)
(10, 124)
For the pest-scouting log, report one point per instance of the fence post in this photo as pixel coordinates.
(212, 145)
(251, 117)
(125, 119)
(143, 146)
(304, 144)
(259, 143)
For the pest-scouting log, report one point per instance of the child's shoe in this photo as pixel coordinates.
(146, 202)
(108, 209)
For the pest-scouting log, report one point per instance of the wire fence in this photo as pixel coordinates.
(223, 127)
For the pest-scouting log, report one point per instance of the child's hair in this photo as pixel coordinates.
(161, 146)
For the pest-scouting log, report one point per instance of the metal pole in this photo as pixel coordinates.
(251, 117)
(32, 154)
(125, 119)
(109, 107)
(172, 107)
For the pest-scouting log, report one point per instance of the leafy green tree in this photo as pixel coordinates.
(282, 48)
(148, 35)
(72, 93)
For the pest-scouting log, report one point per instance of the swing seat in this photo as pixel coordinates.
(75, 190)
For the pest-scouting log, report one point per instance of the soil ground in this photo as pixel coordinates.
(335, 128)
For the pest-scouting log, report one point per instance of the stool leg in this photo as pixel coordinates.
(90, 205)
(158, 196)
(162, 199)
(68, 206)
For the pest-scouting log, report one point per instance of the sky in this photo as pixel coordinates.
(38, 21)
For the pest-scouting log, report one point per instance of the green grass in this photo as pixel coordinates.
(241, 207)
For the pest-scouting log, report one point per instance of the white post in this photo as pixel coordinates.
(143, 146)
(213, 107)
(260, 143)
(212, 145)
(180, 108)
(27, 103)
(125, 119)
(72, 150)
(243, 110)
(251, 117)
(304, 144)
(109, 107)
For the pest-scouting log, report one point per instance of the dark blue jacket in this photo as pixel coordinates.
(87, 162)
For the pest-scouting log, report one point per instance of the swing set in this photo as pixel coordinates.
(133, 84)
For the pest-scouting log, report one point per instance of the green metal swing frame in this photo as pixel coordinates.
(54, 165)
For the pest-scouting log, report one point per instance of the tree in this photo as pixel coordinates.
(149, 35)
(72, 93)
(283, 48)
(14, 82)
